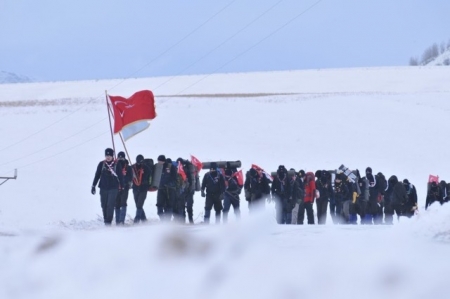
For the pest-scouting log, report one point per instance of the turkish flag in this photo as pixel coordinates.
(197, 163)
(181, 171)
(139, 107)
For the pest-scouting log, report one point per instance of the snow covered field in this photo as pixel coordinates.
(53, 244)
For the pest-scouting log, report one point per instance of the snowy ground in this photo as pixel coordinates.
(54, 246)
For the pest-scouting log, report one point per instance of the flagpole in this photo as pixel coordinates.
(108, 109)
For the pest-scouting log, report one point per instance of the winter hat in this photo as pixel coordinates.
(406, 182)
(162, 158)
(121, 155)
(109, 152)
(228, 172)
(281, 168)
(213, 165)
(368, 170)
(301, 173)
(139, 158)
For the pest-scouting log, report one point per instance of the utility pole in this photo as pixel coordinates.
(6, 178)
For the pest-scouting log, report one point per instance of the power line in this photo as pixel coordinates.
(147, 64)
(221, 44)
(59, 153)
(254, 45)
(53, 144)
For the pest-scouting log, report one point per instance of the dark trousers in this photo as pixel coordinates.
(228, 201)
(213, 200)
(178, 209)
(256, 202)
(121, 206)
(308, 207)
(108, 200)
(165, 202)
(336, 211)
(189, 203)
(321, 205)
(139, 199)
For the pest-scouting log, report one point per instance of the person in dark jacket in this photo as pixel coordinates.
(373, 206)
(382, 187)
(410, 206)
(141, 184)
(122, 197)
(281, 195)
(434, 194)
(167, 194)
(298, 194)
(388, 209)
(340, 196)
(189, 189)
(256, 188)
(398, 196)
(444, 191)
(325, 193)
(111, 181)
(213, 187)
(231, 195)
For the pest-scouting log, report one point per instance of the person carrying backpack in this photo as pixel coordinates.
(141, 184)
(231, 195)
(281, 195)
(214, 185)
(297, 195)
(308, 201)
(122, 197)
(110, 181)
(410, 206)
(167, 194)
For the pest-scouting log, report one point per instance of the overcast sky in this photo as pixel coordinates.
(99, 39)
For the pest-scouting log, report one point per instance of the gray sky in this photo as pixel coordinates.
(99, 39)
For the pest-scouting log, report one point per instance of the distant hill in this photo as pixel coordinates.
(7, 77)
(433, 55)
(442, 59)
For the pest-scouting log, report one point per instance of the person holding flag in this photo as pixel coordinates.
(111, 181)
(233, 183)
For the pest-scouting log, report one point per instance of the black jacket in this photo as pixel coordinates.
(281, 188)
(340, 191)
(142, 173)
(109, 176)
(168, 176)
(213, 183)
(127, 173)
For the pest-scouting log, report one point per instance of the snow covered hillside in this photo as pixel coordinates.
(54, 245)
(7, 77)
(442, 59)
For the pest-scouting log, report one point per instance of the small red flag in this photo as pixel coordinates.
(240, 177)
(197, 163)
(433, 178)
(181, 171)
(262, 171)
(140, 106)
